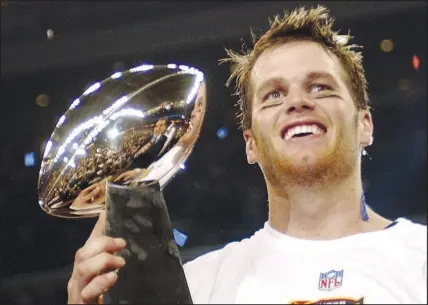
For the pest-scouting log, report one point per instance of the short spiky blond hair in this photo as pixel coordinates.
(313, 24)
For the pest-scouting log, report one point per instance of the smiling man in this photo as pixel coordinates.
(306, 122)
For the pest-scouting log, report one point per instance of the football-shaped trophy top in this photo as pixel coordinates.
(130, 129)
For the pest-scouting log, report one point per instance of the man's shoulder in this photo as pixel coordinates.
(410, 233)
(409, 241)
(412, 237)
(229, 252)
(203, 271)
(215, 257)
(226, 259)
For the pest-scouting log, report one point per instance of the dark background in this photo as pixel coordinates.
(219, 198)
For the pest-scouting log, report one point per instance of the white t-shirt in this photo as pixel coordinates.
(383, 267)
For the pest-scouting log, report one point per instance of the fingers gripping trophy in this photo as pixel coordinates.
(110, 155)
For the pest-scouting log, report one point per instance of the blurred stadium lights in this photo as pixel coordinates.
(179, 237)
(50, 33)
(416, 62)
(387, 45)
(30, 159)
(222, 133)
(42, 100)
(116, 75)
(113, 133)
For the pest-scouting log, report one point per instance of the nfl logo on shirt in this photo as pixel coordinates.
(330, 280)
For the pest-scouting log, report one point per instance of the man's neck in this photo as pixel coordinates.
(321, 212)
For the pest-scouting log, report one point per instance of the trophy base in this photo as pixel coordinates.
(153, 271)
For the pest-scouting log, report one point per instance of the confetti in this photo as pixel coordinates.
(416, 61)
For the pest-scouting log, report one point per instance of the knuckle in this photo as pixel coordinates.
(78, 256)
(105, 259)
(81, 270)
(101, 241)
(109, 242)
(105, 240)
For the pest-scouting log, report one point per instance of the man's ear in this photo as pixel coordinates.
(250, 146)
(365, 128)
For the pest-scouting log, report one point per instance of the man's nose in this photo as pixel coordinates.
(299, 101)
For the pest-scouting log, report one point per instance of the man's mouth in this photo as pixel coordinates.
(303, 130)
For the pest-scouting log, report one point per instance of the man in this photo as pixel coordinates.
(306, 122)
(155, 145)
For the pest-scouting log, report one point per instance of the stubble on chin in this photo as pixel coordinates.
(284, 171)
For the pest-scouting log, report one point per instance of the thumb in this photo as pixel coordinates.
(99, 228)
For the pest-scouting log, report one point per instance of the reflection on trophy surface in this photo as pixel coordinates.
(133, 127)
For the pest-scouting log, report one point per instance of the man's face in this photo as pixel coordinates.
(160, 127)
(197, 115)
(305, 126)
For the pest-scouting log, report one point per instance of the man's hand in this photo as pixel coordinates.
(94, 194)
(129, 175)
(95, 266)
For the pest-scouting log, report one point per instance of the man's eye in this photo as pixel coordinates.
(318, 88)
(274, 95)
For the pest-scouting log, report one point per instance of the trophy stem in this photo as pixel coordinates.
(153, 272)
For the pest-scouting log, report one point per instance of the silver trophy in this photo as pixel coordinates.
(115, 148)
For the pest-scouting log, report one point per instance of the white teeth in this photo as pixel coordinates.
(314, 129)
(293, 131)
